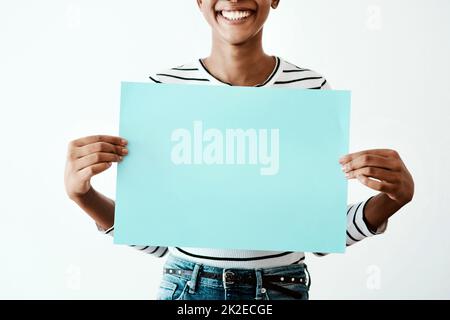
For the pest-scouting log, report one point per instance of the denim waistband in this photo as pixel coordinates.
(190, 265)
(179, 263)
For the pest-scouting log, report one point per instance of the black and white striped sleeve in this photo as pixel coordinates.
(357, 228)
(325, 85)
(157, 251)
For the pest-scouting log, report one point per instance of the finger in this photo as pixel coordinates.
(98, 147)
(381, 186)
(376, 173)
(380, 152)
(370, 160)
(88, 172)
(99, 138)
(94, 158)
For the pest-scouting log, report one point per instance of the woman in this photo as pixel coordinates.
(237, 58)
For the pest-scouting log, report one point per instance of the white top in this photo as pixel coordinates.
(284, 74)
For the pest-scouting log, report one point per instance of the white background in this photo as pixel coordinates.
(61, 63)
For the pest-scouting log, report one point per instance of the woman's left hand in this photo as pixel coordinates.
(384, 165)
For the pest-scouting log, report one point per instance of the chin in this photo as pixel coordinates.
(236, 42)
(235, 39)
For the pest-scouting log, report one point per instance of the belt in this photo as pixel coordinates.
(230, 277)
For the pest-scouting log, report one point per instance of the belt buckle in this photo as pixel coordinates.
(226, 276)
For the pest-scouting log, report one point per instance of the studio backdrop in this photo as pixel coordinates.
(61, 66)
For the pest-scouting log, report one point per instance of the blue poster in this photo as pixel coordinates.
(232, 167)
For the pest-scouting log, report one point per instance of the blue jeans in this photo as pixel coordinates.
(196, 287)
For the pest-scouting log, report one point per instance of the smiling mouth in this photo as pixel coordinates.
(235, 16)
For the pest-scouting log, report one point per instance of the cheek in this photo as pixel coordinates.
(263, 14)
(210, 17)
(258, 22)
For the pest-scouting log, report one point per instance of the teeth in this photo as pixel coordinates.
(235, 15)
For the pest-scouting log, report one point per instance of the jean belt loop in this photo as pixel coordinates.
(308, 277)
(192, 283)
(260, 290)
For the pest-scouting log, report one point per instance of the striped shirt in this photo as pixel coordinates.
(284, 74)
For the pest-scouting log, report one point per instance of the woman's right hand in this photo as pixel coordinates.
(89, 156)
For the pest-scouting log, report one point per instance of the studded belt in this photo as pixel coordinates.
(229, 277)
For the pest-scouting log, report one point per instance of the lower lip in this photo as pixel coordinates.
(234, 22)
